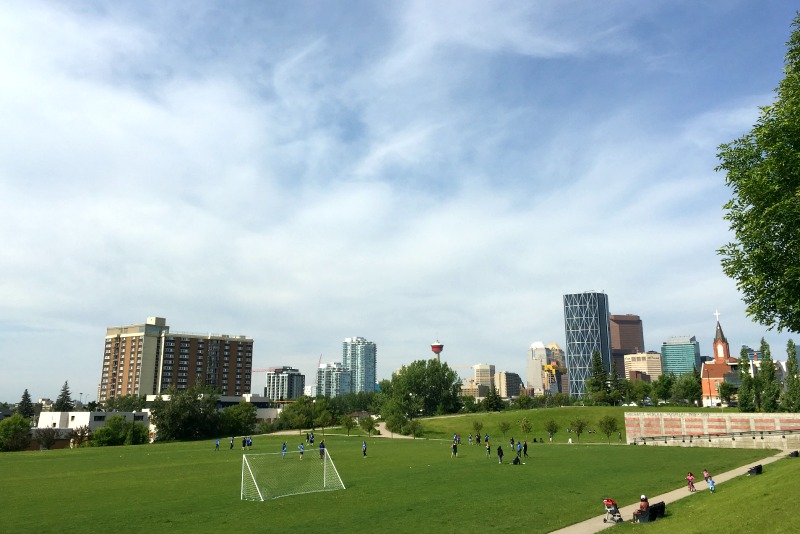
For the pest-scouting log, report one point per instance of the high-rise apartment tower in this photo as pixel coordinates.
(146, 359)
(359, 356)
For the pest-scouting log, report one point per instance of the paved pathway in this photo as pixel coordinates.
(596, 524)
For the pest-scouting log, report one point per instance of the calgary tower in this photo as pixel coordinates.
(437, 348)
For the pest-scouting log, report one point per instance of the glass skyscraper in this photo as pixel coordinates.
(586, 325)
(359, 356)
(680, 355)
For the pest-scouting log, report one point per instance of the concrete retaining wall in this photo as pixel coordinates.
(707, 429)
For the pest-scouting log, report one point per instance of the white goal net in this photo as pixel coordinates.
(273, 475)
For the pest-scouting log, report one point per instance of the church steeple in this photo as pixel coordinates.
(721, 349)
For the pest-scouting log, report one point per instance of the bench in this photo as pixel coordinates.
(654, 512)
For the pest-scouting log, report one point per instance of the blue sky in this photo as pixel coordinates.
(404, 171)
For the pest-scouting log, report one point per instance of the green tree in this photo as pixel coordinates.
(505, 426)
(493, 402)
(523, 402)
(477, 427)
(367, 424)
(45, 437)
(239, 419)
(414, 427)
(189, 413)
(768, 380)
(688, 389)
(551, 427)
(64, 401)
(117, 430)
(25, 406)
(745, 396)
(578, 426)
(525, 426)
(470, 405)
(662, 387)
(726, 392)
(431, 383)
(348, 423)
(616, 387)
(125, 403)
(790, 402)
(14, 433)
(763, 171)
(596, 384)
(608, 425)
(81, 434)
(639, 391)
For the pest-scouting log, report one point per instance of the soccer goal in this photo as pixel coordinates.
(273, 475)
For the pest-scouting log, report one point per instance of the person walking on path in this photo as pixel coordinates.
(690, 480)
(706, 476)
(500, 454)
(364, 448)
(711, 486)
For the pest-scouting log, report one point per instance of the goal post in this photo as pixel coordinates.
(272, 475)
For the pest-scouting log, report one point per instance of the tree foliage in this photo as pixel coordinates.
(768, 381)
(551, 427)
(790, 402)
(189, 413)
(505, 426)
(45, 437)
(477, 427)
(348, 423)
(763, 171)
(367, 424)
(597, 383)
(238, 420)
(726, 392)
(64, 402)
(117, 430)
(578, 426)
(608, 425)
(14, 433)
(745, 396)
(25, 406)
(662, 387)
(688, 389)
(493, 402)
(432, 386)
(525, 426)
(125, 403)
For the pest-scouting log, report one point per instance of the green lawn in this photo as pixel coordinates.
(758, 504)
(403, 485)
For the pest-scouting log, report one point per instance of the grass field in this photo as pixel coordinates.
(757, 504)
(403, 485)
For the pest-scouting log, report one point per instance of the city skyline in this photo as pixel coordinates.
(410, 171)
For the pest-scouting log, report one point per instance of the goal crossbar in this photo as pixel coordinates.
(273, 475)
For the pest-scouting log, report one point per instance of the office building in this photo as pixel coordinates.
(147, 359)
(535, 376)
(508, 384)
(642, 363)
(680, 355)
(359, 356)
(484, 374)
(586, 325)
(627, 337)
(557, 356)
(284, 383)
(333, 380)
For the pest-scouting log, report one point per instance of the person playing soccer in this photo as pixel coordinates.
(488, 450)
(500, 454)
(364, 448)
(454, 450)
(322, 450)
(283, 450)
(301, 451)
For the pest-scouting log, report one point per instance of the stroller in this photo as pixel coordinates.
(612, 512)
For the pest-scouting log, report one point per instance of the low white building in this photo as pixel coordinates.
(93, 420)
